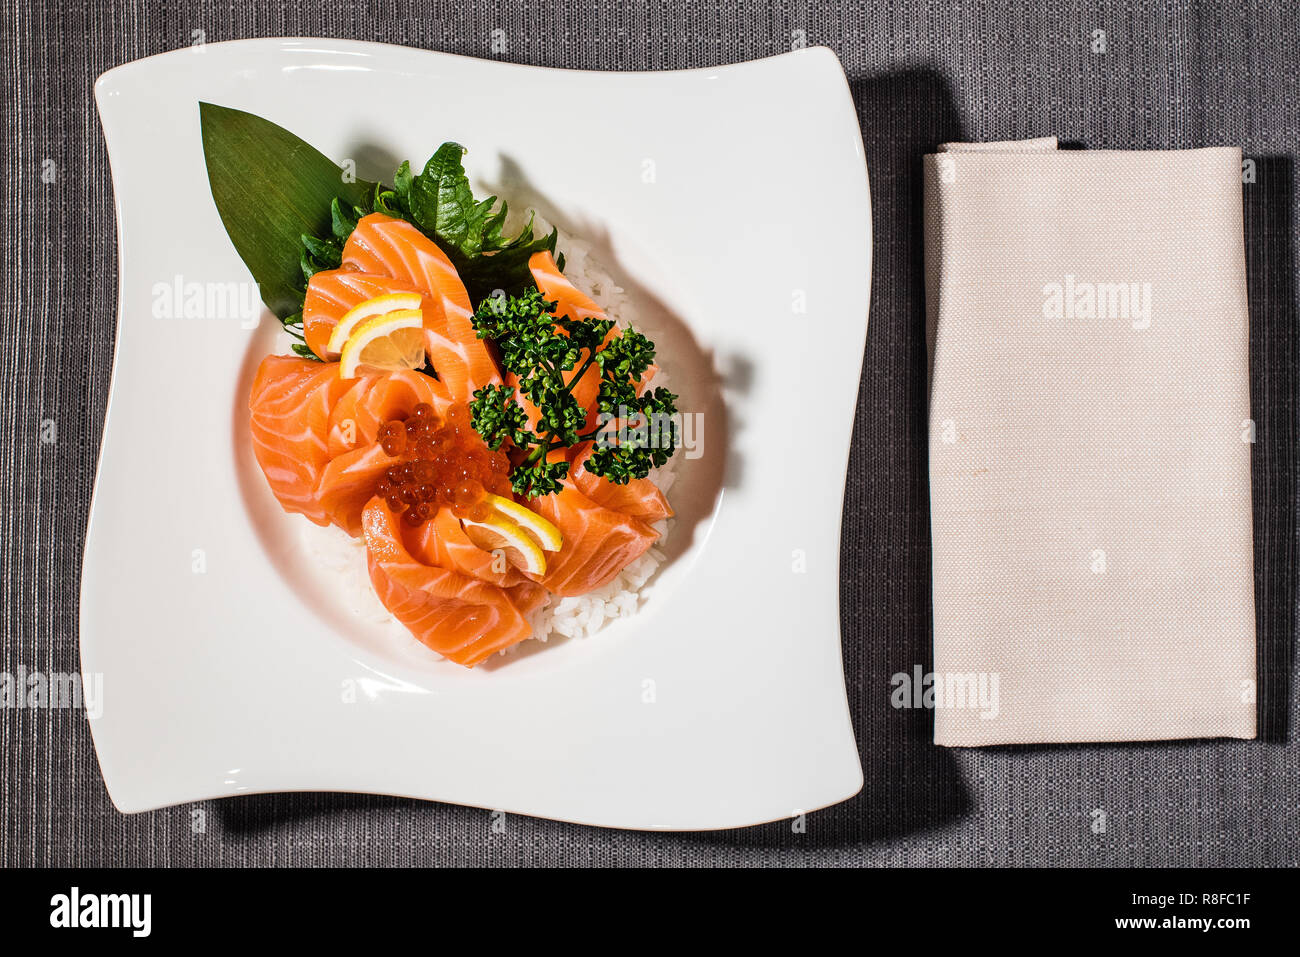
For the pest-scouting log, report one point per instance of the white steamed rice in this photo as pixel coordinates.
(343, 558)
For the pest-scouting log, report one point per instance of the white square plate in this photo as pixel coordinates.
(733, 203)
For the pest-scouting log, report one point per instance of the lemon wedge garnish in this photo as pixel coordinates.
(495, 532)
(384, 343)
(546, 535)
(522, 534)
(359, 313)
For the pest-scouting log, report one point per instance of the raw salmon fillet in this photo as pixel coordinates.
(461, 618)
(374, 400)
(384, 246)
(442, 541)
(639, 498)
(598, 542)
(348, 483)
(570, 301)
(332, 293)
(289, 407)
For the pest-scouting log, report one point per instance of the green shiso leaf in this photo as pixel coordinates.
(272, 189)
(440, 202)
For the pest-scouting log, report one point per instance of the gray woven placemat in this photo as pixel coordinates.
(1172, 75)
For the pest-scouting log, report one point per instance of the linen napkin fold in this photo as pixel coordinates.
(1090, 439)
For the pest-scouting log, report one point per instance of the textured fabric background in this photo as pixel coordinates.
(1173, 75)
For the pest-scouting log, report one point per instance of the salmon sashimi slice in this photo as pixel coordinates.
(461, 618)
(375, 399)
(332, 293)
(639, 498)
(527, 597)
(289, 408)
(598, 542)
(385, 246)
(442, 541)
(348, 483)
(570, 301)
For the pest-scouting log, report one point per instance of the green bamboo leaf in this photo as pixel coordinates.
(272, 188)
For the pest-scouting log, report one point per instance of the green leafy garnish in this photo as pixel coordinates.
(548, 356)
(441, 203)
(648, 442)
(319, 253)
(439, 200)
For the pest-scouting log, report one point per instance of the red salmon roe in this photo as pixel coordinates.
(442, 465)
(392, 437)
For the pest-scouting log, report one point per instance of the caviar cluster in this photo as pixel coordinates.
(442, 466)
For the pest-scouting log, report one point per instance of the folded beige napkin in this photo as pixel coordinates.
(1090, 443)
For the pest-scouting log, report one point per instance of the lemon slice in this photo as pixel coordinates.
(546, 535)
(496, 532)
(359, 313)
(385, 343)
